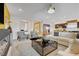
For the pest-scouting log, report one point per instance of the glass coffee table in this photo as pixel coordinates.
(44, 47)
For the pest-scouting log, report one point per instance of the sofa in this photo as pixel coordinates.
(72, 50)
(65, 38)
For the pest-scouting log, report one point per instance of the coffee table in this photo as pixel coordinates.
(44, 48)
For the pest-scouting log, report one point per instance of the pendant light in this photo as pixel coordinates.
(51, 9)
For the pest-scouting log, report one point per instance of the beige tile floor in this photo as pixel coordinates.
(23, 48)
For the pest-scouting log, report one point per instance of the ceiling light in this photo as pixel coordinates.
(51, 9)
(20, 9)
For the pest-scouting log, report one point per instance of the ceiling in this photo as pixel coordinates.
(28, 9)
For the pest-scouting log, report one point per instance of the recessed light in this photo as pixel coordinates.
(20, 9)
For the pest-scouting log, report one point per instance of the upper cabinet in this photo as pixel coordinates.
(4, 16)
(72, 25)
(60, 27)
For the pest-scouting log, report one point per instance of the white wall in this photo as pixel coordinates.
(17, 25)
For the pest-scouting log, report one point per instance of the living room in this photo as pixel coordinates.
(40, 29)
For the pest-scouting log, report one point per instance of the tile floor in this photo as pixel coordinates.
(23, 48)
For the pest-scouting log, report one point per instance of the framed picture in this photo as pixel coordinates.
(46, 29)
(37, 27)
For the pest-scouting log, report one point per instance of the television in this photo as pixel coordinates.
(56, 33)
(1, 13)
